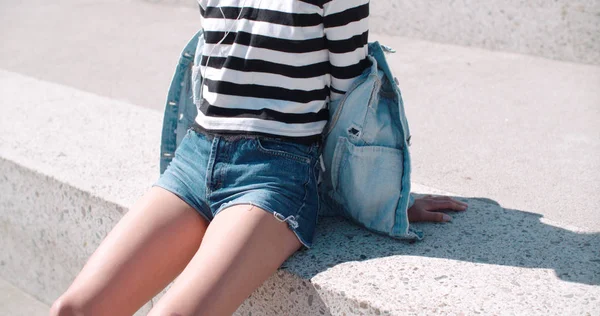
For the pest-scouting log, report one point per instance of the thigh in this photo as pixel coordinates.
(242, 247)
(150, 245)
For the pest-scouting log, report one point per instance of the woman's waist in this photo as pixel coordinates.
(234, 132)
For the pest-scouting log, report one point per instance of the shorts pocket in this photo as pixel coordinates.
(186, 144)
(367, 183)
(290, 150)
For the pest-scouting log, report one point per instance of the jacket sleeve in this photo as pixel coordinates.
(346, 24)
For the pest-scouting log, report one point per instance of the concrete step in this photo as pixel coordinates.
(106, 36)
(15, 302)
(514, 135)
(475, 115)
(562, 30)
(72, 162)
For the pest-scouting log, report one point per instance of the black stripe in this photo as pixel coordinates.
(256, 65)
(267, 42)
(318, 3)
(272, 43)
(336, 90)
(346, 17)
(348, 45)
(264, 15)
(351, 71)
(264, 114)
(266, 92)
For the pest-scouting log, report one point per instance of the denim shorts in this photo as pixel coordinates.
(212, 172)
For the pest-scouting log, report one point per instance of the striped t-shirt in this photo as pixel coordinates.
(280, 63)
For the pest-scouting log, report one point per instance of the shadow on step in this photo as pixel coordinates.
(485, 233)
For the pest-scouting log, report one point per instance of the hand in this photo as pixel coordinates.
(426, 209)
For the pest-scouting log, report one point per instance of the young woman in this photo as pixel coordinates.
(240, 195)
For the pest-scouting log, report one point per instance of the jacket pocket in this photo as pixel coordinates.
(367, 183)
(196, 84)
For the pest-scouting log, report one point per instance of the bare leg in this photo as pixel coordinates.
(145, 251)
(243, 246)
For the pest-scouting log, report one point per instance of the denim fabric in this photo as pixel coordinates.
(212, 172)
(366, 158)
(180, 110)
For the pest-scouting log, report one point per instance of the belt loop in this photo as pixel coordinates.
(200, 130)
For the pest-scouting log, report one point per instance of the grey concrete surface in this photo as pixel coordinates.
(69, 180)
(521, 130)
(125, 50)
(562, 29)
(518, 129)
(15, 302)
(518, 136)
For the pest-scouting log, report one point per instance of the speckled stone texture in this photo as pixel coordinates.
(490, 261)
(565, 30)
(49, 229)
(15, 302)
(72, 162)
(69, 168)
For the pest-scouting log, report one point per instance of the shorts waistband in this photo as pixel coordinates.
(233, 135)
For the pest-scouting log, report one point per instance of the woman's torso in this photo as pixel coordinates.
(273, 65)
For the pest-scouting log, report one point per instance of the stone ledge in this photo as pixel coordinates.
(71, 162)
(15, 302)
(562, 30)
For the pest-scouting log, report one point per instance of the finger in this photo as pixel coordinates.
(437, 205)
(460, 202)
(435, 217)
(447, 198)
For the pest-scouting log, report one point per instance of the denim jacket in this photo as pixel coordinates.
(366, 162)
(180, 110)
(366, 158)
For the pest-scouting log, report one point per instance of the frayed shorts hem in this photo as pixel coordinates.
(304, 243)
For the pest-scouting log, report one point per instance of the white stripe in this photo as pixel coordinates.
(335, 96)
(246, 52)
(265, 29)
(265, 79)
(337, 6)
(250, 103)
(341, 84)
(261, 126)
(347, 31)
(350, 58)
(288, 6)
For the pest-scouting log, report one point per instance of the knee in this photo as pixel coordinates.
(66, 306)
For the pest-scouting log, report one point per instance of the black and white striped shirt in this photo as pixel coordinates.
(280, 63)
